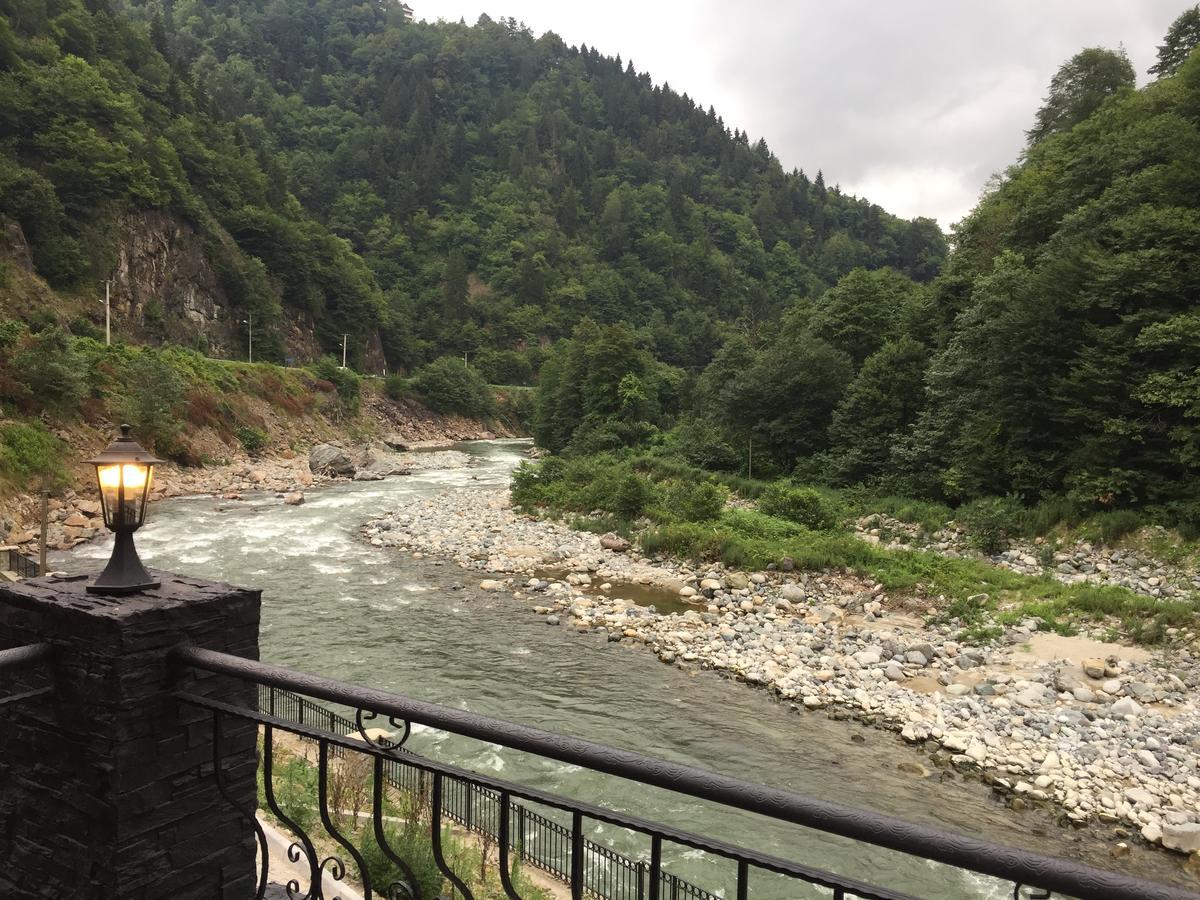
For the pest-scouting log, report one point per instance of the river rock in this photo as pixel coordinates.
(1093, 668)
(1184, 838)
(614, 542)
(295, 498)
(793, 593)
(326, 459)
(1127, 706)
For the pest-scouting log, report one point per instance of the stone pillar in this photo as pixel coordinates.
(107, 788)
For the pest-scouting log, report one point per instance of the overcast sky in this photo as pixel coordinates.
(910, 103)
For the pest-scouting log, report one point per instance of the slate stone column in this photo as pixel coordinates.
(107, 788)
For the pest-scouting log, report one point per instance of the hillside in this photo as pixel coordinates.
(1054, 363)
(427, 189)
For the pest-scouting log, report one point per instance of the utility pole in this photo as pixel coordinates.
(250, 323)
(45, 526)
(750, 458)
(107, 313)
(344, 336)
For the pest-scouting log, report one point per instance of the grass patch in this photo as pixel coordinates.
(631, 496)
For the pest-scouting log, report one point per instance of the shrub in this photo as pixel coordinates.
(10, 333)
(702, 444)
(1047, 514)
(695, 501)
(51, 370)
(801, 505)
(990, 521)
(253, 440)
(152, 389)
(449, 385)
(396, 387)
(30, 453)
(345, 381)
(410, 841)
(631, 496)
(1112, 525)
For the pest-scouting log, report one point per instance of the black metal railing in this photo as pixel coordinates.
(20, 565)
(1017, 867)
(17, 659)
(537, 839)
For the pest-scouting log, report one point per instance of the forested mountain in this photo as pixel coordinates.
(1057, 357)
(499, 187)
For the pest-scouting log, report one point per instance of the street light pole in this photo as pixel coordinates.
(250, 323)
(107, 313)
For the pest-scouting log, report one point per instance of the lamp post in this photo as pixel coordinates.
(249, 322)
(124, 471)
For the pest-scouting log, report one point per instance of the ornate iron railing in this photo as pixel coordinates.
(1018, 867)
(536, 839)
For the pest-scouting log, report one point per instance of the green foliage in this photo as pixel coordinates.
(1079, 87)
(449, 385)
(879, 405)
(701, 442)
(151, 390)
(991, 521)
(695, 501)
(396, 387)
(410, 841)
(784, 400)
(1181, 38)
(1110, 526)
(51, 371)
(295, 784)
(801, 505)
(345, 381)
(598, 391)
(253, 440)
(31, 457)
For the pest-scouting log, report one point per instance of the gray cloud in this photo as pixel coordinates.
(912, 104)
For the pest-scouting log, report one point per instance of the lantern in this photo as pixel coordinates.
(124, 471)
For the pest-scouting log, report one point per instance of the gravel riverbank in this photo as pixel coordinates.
(1108, 733)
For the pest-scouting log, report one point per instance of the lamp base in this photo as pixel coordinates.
(124, 573)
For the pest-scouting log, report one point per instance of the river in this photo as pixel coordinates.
(336, 606)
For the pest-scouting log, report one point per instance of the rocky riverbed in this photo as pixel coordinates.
(1106, 732)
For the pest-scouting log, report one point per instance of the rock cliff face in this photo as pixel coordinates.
(164, 281)
(165, 288)
(165, 284)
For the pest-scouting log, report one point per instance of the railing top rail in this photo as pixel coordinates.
(28, 655)
(1007, 863)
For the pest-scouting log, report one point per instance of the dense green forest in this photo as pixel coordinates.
(561, 220)
(1054, 360)
(458, 189)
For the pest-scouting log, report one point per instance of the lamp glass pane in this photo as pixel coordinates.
(122, 488)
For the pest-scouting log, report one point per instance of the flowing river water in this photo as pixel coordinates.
(335, 606)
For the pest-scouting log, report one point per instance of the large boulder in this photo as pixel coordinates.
(1184, 838)
(615, 542)
(382, 463)
(326, 459)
